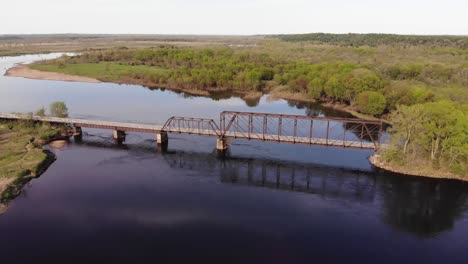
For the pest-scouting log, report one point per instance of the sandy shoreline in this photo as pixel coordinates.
(25, 72)
(377, 161)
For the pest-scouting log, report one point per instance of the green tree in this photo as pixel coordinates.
(41, 112)
(373, 103)
(316, 88)
(58, 109)
(445, 131)
(361, 80)
(407, 124)
(334, 89)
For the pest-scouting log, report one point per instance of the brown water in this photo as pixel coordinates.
(265, 202)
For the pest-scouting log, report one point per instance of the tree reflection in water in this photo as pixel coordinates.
(424, 207)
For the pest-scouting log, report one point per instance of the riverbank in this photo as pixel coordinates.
(25, 71)
(277, 93)
(22, 156)
(420, 171)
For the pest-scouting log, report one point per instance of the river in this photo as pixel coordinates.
(264, 202)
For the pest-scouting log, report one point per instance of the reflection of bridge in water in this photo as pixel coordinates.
(423, 207)
(295, 129)
(323, 181)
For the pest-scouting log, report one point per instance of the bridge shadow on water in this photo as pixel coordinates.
(419, 206)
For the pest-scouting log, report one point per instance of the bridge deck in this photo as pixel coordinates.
(304, 140)
(146, 128)
(89, 123)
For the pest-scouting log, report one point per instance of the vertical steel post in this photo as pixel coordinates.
(328, 131)
(265, 126)
(222, 123)
(344, 135)
(250, 125)
(362, 134)
(311, 134)
(295, 129)
(237, 124)
(280, 128)
(380, 135)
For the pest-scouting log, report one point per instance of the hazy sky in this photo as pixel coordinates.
(234, 17)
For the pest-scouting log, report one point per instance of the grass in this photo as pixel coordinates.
(21, 154)
(103, 71)
(283, 92)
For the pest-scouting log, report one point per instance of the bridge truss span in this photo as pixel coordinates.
(296, 129)
(189, 125)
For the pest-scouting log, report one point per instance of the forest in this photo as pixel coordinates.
(374, 40)
(419, 84)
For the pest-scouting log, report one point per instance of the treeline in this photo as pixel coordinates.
(209, 69)
(373, 90)
(205, 69)
(374, 40)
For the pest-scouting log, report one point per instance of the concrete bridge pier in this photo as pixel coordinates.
(222, 146)
(77, 133)
(162, 141)
(119, 136)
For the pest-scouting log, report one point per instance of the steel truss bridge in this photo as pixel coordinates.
(281, 128)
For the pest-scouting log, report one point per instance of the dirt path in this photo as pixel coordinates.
(26, 72)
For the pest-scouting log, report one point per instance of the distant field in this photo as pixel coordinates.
(12, 45)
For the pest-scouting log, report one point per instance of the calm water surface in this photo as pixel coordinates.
(266, 202)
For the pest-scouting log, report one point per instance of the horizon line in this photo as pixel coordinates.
(226, 35)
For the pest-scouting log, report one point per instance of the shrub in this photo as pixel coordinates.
(372, 103)
(46, 135)
(392, 155)
(58, 109)
(41, 112)
(457, 169)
